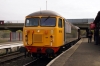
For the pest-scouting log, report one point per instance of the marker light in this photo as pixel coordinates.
(46, 31)
(28, 31)
(33, 31)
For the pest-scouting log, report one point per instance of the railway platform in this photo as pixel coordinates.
(80, 54)
(11, 42)
(8, 47)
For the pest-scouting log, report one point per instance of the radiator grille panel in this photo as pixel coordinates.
(37, 38)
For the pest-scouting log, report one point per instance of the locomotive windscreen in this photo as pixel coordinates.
(32, 21)
(48, 21)
(44, 21)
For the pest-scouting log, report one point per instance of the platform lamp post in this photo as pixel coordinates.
(46, 4)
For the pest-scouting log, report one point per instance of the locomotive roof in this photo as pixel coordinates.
(44, 13)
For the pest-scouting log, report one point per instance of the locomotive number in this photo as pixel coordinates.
(60, 31)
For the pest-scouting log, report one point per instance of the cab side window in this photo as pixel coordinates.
(60, 23)
(63, 22)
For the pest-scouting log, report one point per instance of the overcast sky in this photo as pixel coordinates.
(70, 9)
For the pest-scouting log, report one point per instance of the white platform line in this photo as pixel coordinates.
(10, 45)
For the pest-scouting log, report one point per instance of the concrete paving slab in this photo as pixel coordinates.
(82, 54)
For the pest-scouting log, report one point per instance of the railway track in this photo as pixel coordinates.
(14, 59)
(38, 62)
(9, 57)
(18, 59)
(29, 63)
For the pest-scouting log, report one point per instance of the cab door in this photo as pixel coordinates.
(60, 31)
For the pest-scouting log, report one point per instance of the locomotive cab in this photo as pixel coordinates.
(40, 31)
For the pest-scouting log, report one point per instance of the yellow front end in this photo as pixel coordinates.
(43, 36)
(39, 36)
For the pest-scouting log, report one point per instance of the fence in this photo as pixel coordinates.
(15, 36)
(10, 36)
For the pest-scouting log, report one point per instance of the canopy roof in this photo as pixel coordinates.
(97, 19)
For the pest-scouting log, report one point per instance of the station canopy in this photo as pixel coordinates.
(81, 21)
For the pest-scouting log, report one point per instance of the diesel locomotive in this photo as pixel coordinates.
(47, 33)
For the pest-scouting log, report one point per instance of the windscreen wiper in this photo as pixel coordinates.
(47, 18)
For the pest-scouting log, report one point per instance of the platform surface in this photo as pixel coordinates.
(82, 54)
(10, 44)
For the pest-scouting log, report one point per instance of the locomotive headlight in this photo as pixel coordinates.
(51, 31)
(51, 40)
